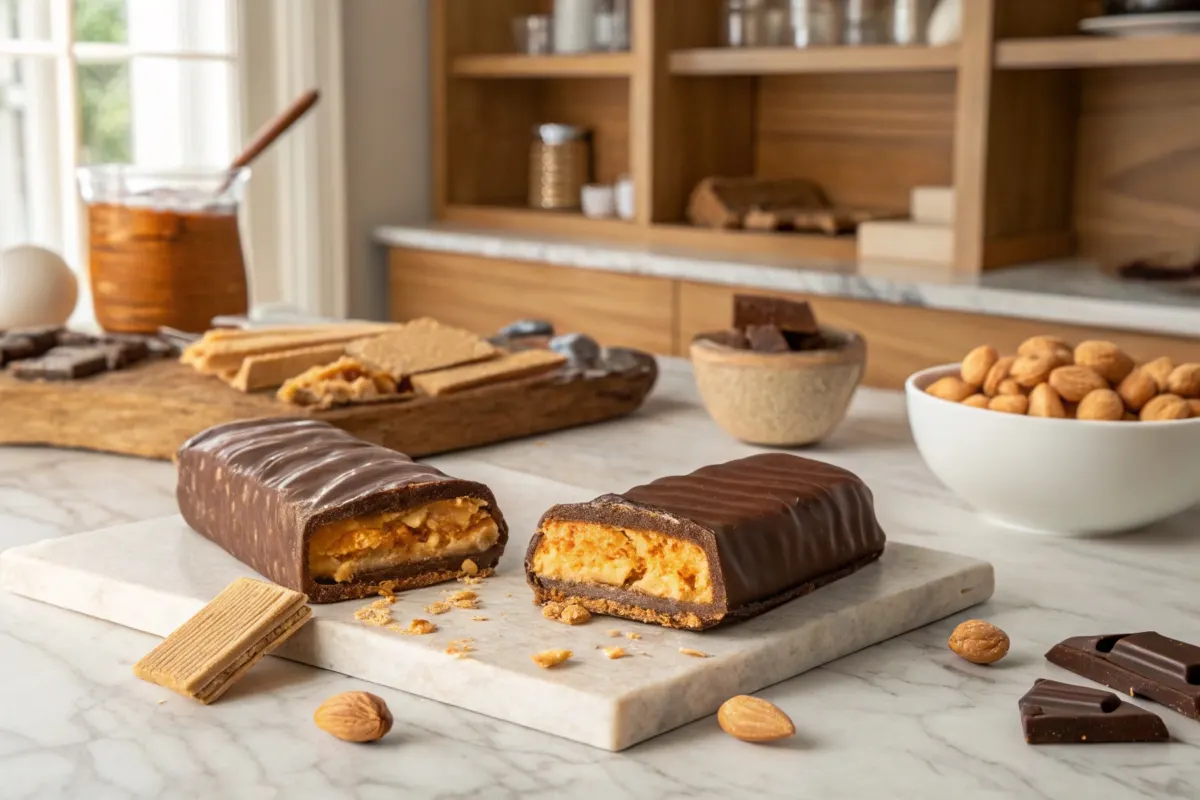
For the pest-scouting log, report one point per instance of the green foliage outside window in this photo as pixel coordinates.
(105, 125)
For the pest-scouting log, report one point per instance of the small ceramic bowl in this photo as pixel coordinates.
(779, 399)
(1061, 476)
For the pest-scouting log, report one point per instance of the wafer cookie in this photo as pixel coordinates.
(273, 369)
(210, 652)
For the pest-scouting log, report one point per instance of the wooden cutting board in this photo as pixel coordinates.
(151, 409)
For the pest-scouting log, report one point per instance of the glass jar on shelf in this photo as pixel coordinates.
(813, 23)
(743, 23)
(864, 22)
(612, 25)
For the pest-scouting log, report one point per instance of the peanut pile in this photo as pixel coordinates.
(1093, 381)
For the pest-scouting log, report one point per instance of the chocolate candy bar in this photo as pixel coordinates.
(723, 543)
(318, 511)
(1148, 664)
(1059, 713)
(62, 364)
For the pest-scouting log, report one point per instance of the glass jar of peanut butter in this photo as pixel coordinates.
(164, 247)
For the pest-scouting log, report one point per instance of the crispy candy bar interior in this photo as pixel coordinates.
(646, 562)
(338, 551)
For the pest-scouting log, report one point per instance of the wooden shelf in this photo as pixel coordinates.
(792, 60)
(565, 223)
(1075, 52)
(589, 65)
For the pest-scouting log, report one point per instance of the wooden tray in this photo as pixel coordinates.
(150, 410)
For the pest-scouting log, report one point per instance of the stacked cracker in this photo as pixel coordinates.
(336, 365)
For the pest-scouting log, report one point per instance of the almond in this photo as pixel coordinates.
(354, 717)
(976, 401)
(1109, 361)
(1045, 402)
(1102, 405)
(1184, 381)
(1160, 370)
(1075, 383)
(1166, 407)
(997, 374)
(1009, 387)
(1052, 346)
(753, 719)
(1137, 389)
(952, 388)
(1009, 403)
(977, 363)
(1029, 371)
(979, 642)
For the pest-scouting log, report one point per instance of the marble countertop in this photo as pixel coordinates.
(903, 719)
(1071, 290)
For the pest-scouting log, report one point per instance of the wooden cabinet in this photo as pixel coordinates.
(661, 316)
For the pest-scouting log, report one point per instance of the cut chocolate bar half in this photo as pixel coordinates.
(1149, 664)
(723, 543)
(1059, 713)
(319, 511)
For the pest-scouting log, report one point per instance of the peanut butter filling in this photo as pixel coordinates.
(638, 561)
(341, 550)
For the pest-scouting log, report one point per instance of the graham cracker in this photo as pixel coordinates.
(221, 355)
(274, 369)
(423, 345)
(210, 652)
(513, 365)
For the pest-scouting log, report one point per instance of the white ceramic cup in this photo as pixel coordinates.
(625, 206)
(599, 200)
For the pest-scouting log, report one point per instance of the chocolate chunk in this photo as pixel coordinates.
(1147, 664)
(724, 543)
(526, 327)
(803, 342)
(68, 338)
(580, 350)
(1059, 713)
(789, 316)
(43, 336)
(121, 353)
(62, 364)
(15, 348)
(319, 511)
(766, 339)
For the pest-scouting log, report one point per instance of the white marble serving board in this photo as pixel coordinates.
(153, 575)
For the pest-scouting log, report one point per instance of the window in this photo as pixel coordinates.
(164, 83)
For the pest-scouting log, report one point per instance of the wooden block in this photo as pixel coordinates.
(933, 205)
(902, 240)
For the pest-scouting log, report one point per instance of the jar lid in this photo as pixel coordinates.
(556, 133)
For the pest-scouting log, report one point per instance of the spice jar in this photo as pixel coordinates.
(164, 248)
(560, 164)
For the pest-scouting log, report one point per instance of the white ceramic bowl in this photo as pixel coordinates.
(1061, 476)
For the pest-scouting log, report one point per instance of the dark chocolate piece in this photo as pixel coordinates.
(43, 337)
(15, 348)
(121, 353)
(1059, 713)
(1148, 664)
(735, 540)
(62, 364)
(261, 489)
(68, 338)
(789, 316)
(766, 339)
(581, 350)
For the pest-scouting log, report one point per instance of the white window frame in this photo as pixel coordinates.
(295, 217)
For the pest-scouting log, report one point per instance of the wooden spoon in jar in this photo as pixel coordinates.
(272, 130)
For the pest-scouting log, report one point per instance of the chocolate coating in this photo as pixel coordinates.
(1148, 664)
(772, 526)
(260, 488)
(1059, 713)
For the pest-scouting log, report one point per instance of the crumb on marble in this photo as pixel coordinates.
(460, 648)
(377, 613)
(687, 651)
(574, 615)
(615, 652)
(440, 607)
(552, 610)
(613, 634)
(633, 636)
(551, 658)
(479, 619)
(464, 599)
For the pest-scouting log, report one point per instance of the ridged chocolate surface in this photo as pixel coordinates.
(259, 488)
(769, 523)
(1060, 713)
